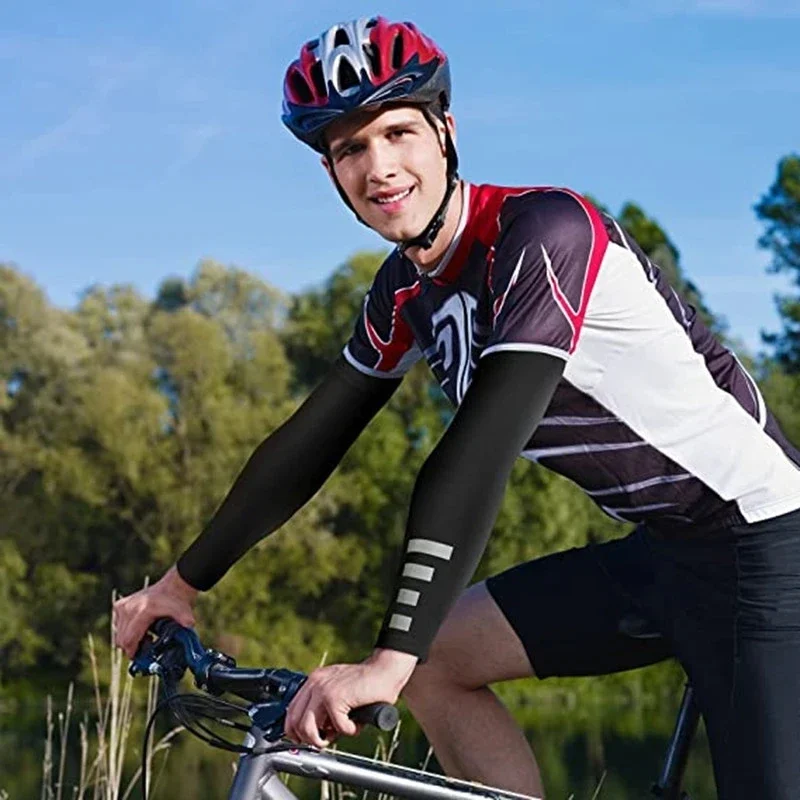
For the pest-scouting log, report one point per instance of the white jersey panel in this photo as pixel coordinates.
(637, 361)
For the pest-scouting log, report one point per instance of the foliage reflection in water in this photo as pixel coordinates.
(580, 744)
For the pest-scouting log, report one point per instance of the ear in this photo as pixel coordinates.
(450, 120)
(328, 168)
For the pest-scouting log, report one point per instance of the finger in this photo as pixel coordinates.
(295, 713)
(140, 625)
(314, 720)
(124, 614)
(138, 629)
(133, 632)
(127, 632)
(330, 735)
(122, 627)
(341, 722)
(126, 640)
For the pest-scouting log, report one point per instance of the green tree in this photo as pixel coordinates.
(779, 210)
(660, 249)
(18, 643)
(321, 320)
(124, 424)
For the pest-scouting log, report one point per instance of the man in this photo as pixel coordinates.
(556, 338)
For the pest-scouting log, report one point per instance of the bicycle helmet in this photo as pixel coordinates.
(364, 64)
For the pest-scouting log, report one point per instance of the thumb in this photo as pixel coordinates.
(341, 722)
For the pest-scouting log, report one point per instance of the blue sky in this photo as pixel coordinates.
(139, 138)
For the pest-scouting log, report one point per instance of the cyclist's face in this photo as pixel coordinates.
(392, 165)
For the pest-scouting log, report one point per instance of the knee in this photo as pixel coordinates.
(427, 683)
(439, 675)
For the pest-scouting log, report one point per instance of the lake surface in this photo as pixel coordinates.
(617, 749)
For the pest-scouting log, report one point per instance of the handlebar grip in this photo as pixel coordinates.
(383, 716)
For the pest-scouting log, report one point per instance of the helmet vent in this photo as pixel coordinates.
(373, 56)
(372, 23)
(341, 38)
(347, 76)
(397, 52)
(300, 87)
(318, 79)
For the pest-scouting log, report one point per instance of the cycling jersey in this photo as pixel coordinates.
(653, 418)
(556, 338)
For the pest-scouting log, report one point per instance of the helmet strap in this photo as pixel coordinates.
(426, 239)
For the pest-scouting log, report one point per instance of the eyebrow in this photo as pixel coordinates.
(410, 122)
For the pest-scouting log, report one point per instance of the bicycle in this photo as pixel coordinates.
(264, 755)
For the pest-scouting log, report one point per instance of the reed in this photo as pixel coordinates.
(105, 743)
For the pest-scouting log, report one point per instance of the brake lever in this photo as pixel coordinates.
(161, 652)
(144, 662)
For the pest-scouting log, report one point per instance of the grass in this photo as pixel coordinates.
(103, 744)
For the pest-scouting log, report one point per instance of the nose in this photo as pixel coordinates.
(381, 162)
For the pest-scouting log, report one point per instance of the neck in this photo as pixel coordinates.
(428, 260)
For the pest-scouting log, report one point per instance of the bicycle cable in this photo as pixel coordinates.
(189, 709)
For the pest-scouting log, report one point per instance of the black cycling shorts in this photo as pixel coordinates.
(725, 603)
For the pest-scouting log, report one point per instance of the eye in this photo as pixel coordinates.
(349, 150)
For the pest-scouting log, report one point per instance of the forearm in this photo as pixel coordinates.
(459, 491)
(285, 471)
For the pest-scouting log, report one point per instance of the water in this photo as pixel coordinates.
(578, 749)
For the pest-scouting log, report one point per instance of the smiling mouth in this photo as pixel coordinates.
(393, 198)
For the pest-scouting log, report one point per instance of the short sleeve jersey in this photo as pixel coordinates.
(653, 418)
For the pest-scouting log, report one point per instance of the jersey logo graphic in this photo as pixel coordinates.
(501, 301)
(453, 328)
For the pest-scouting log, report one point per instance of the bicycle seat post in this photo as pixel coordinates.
(668, 786)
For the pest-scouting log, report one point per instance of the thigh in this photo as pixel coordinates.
(751, 693)
(475, 645)
(567, 609)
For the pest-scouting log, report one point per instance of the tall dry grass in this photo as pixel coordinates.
(104, 743)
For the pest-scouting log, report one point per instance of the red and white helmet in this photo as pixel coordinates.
(357, 64)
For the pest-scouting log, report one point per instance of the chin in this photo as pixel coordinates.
(397, 233)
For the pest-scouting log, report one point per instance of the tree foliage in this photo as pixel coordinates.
(662, 251)
(779, 210)
(125, 421)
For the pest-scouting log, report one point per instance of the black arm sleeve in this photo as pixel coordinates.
(459, 490)
(286, 470)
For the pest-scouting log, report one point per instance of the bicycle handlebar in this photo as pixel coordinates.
(177, 648)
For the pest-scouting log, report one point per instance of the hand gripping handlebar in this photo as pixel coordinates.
(171, 649)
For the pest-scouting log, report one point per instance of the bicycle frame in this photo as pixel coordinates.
(257, 777)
